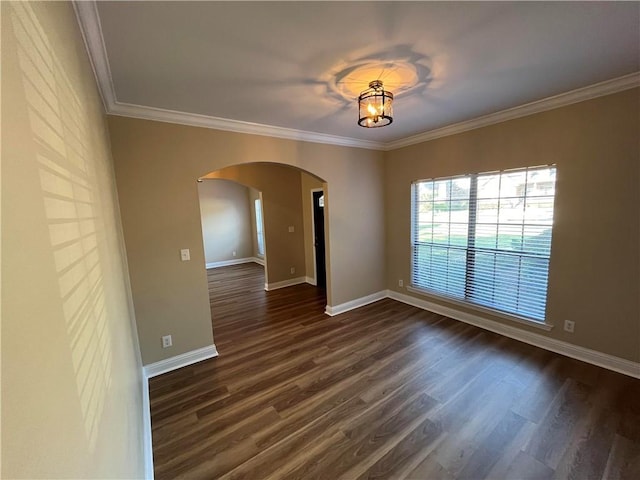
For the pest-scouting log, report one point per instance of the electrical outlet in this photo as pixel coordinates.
(167, 341)
(185, 255)
(234, 253)
(293, 270)
(401, 283)
(569, 326)
(291, 229)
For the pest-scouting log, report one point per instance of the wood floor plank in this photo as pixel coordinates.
(492, 447)
(363, 439)
(430, 469)
(589, 449)
(624, 460)
(511, 451)
(525, 467)
(385, 391)
(407, 454)
(552, 438)
(469, 418)
(189, 401)
(322, 419)
(216, 444)
(283, 453)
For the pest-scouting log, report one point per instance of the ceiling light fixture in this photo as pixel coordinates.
(375, 106)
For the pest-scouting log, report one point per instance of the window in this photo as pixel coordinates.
(259, 227)
(485, 238)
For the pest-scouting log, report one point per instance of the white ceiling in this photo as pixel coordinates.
(277, 63)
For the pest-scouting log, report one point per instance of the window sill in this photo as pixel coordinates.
(494, 313)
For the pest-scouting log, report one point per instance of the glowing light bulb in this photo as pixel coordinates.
(371, 109)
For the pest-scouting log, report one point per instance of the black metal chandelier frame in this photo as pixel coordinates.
(375, 106)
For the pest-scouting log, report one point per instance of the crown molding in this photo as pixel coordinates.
(89, 21)
(91, 29)
(579, 95)
(574, 96)
(197, 120)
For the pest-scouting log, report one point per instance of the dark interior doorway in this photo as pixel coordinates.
(318, 240)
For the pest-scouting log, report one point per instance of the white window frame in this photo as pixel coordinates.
(259, 227)
(465, 301)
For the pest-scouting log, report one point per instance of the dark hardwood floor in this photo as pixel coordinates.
(384, 391)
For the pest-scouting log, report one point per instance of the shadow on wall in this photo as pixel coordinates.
(72, 205)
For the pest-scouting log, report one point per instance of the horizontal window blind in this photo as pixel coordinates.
(486, 238)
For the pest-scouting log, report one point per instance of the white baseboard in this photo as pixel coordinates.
(147, 436)
(358, 302)
(587, 355)
(235, 261)
(310, 280)
(158, 368)
(285, 283)
(179, 361)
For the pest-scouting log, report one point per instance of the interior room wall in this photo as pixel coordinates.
(282, 208)
(226, 221)
(157, 165)
(308, 183)
(71, 370)
(594, 276)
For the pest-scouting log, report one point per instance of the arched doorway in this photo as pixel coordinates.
(294, 236)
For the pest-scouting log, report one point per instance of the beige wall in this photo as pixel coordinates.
(308, 183)
(71, 372)
(594, 274)
(282, 208)
(157, 165)
(226, 220)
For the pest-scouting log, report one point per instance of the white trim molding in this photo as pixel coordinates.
(179, 361)
(574, 96)
(352, 304)
(89, 21)
(147, 435)
(153, 370)
(91, 29)
(237, 126)
(587, 355)
(601, 89)
(310, 281)
(235, 261)
(284, 283)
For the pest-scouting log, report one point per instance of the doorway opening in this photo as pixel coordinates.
(285, 209)
(319, 249)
